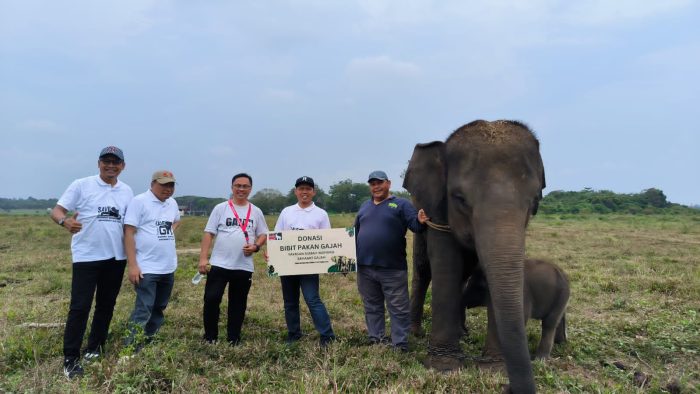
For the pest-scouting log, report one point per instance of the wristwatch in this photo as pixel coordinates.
(257, 248)
(61, 220)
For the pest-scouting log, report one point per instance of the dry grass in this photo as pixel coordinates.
(635, 301)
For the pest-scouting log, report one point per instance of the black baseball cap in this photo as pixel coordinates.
(305, 180)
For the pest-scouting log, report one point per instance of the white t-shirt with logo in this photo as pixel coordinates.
(100, 208)
(228, 246)
(295, 217)
(155, 240)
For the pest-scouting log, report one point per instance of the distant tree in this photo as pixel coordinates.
(655, 198)
(402, 194)
(346, 196)
(321, 198)
(270, 201)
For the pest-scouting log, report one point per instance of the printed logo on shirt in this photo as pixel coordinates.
(165, 230)
(108, 214)
(231, 222)
(393, 205)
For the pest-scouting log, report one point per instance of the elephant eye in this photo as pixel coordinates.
(461, 200)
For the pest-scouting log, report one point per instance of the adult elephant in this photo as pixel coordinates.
(484, 182)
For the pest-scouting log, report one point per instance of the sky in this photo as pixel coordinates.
(335, 89)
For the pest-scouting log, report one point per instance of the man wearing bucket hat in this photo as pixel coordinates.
(304, 215)
(382, 272)
(149, 239)
(97, 247)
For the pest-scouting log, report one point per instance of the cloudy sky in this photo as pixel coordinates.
(334, 89)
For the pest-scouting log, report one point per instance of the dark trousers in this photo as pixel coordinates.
(309, 288)
(152, 296)
(101, 280)
(239, 284)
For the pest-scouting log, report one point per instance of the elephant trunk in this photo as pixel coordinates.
(500, 244)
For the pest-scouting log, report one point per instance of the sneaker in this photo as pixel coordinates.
(72, 368)
(91, 355)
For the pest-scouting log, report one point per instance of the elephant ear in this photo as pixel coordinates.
(426, 178)
(536, 203)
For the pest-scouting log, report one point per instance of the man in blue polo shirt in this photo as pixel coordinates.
(382, 272)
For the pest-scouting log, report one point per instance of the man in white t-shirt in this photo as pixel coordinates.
(304, 215)
(97, 247)
(240, 231)
(149, 239)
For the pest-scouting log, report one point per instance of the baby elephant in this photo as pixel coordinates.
(545, 297)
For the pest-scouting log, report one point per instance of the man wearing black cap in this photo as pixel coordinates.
(382, 272)
(97, 247)
(304, 215)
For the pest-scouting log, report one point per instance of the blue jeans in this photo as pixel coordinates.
(152, 296)
(319, 314)
(377, 285)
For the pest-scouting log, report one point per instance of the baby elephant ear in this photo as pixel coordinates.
(425, 176)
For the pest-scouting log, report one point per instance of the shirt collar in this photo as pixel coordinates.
(307, 209)
(103, 183)
(155, 199)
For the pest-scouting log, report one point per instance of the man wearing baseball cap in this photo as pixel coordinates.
(97, 247)
(304, 215)
(149, 239)
(382, 272)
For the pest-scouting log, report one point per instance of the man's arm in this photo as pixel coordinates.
(71, 224)
(207, 238)
(135, 274)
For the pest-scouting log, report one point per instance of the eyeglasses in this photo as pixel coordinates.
(241, 187)
(114, 162)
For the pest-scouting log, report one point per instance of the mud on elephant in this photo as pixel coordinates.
(484, 182)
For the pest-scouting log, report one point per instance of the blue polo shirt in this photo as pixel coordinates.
(380, 232)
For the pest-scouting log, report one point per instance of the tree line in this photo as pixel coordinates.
(648, 201)
(346, 196)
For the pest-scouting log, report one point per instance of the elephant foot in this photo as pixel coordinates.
(444, 363)
(417, 331)
(491, 364)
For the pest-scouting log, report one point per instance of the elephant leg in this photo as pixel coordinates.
(492, 347)
(560, 335)
(463, 319)
(544, 349)
(420, 282)
(447, 267)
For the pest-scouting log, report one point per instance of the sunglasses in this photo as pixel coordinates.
(115, 162)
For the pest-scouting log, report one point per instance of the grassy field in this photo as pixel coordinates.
(633, 320)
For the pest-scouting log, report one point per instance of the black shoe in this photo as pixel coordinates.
(384, 341)
(72, 368)
(324, 342)
(402, 347)
(292, 339)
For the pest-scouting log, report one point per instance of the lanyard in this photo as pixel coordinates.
(243, 226)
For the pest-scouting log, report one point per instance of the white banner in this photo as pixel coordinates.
(311, 252)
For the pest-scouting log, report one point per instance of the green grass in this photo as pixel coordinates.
(635, 300)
